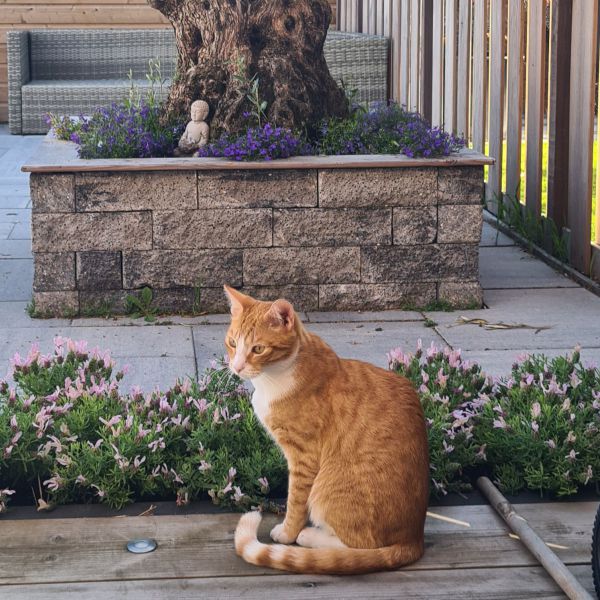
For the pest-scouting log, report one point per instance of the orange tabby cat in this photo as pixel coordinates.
(355, 441)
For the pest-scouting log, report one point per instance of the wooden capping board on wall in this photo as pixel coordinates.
(581, 129)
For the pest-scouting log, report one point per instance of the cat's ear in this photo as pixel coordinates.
(237, 301)
(281, 314)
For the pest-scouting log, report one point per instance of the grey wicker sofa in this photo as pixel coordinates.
(76, 71)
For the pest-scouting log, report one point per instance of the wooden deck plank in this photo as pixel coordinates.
(477, 584)
(93, 549)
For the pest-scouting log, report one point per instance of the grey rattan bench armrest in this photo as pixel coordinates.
(18, 74)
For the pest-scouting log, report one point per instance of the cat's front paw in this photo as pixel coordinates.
(280, 535)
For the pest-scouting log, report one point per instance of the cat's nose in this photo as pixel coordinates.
(237, 365)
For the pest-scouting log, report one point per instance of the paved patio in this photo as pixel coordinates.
(50, 558)
(518, 289)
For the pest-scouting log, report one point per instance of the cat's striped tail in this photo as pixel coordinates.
(332, 561)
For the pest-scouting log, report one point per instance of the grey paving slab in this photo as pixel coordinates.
(512, 267)
(123, 342)
(7, 202)
(21, 231)
(5, 230)
(16, 279)
(209, 344)
(150, 372)
(499, 362)
(15, 249)
(572, 315)
(358, 317)
(372, 341)
(15, 215)
(14, 314)
(490, 236)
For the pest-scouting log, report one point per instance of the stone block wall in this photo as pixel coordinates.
(326, 239)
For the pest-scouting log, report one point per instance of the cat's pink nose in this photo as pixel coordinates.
(238, 364)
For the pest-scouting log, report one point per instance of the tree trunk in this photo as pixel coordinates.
(223, 44)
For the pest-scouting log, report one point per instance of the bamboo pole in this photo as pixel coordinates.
(553, 565)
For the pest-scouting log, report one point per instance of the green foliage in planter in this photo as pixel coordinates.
(541, 429)
(452, 392)
(67, 430)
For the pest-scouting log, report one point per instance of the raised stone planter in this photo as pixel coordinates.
(328, 233)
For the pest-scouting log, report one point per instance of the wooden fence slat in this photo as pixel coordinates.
(463, 68)
(480, 74)
(514, 100)
(437, 65)
(534, 104)
(581, 129)
(496, 90)
(558, 111)
(404, 51)
(415, 44)
(450, 66)
(396, 50)
(427, 30)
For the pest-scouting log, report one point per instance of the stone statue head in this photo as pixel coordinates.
(199, 110)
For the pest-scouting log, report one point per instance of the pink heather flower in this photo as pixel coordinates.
(186, 387)
(227, 488)
(112, 421)
(80, 479)
(201, 405)
(12, 396)
(522, 357)
(264, 484)
(423, 389)
(231, 474)
(54, 483)
(536, 410)
(588, 475)
(65, 460)
(7, 451)
(551, 444)
(572, 456)
(510, 383)
(527, 381)
(95, 446)
(571, 437)
(481, 452)
(431, 351)
(574, 380)
(204, 466)
(138, 462)
(175, 476)
(447, 447)
(54, 396)
(500, 423)
(156, 444)
(454, 359)
(28, 402)
(238, 494)
(596, 405)
(182, 498)
(441, 379)
(439, 487)
(566, 405)
(100, 493)
(534, 426)
(13, 423)
(424, 377)
(6, 492)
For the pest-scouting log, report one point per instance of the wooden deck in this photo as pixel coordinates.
(85, 558)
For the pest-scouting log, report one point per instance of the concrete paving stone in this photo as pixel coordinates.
(372, 341)
(572, 315)
(123, 342)
(359, 317)
(155, 372)
(499, 362)
(5, 230)
(21, 231)
(7, 202)
(15, 215)
(14, 314)
(490, 236)
(16, 279)
(209, 344)
(15, 249)
(512, 267)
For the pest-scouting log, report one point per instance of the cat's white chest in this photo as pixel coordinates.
(268, 388)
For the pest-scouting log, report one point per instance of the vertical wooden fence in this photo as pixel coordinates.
(519, 80)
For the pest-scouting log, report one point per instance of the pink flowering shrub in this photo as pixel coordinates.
(452, 392)
(67, 432)
(542, 427)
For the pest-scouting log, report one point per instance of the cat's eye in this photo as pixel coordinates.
(258, 349)
(232, 342)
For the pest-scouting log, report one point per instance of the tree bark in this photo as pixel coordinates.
(278, 41)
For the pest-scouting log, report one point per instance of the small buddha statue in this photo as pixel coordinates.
(196, 131)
